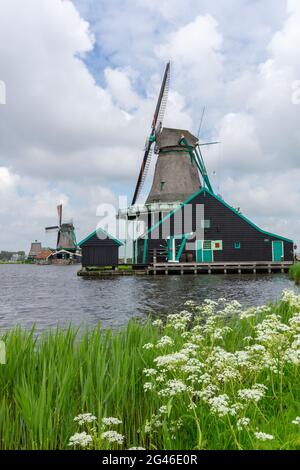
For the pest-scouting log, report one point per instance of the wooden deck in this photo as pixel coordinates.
(218, 268)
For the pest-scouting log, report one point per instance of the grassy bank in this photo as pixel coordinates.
(198, 381)
(294, 272)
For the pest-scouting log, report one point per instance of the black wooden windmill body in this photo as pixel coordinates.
(179, 167)
(66, 238)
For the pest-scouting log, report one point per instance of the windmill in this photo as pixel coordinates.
(179, 162)
(66, 239)
(155, 130)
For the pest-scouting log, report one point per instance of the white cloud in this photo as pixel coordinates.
(194, 49)
(73, 133)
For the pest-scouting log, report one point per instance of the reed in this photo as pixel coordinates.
(173, 385)
(294, 272)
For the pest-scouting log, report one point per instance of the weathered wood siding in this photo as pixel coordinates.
(97, 252)
(226, 226)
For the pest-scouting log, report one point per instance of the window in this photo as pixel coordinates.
(207, 245)
(162, 186)
(237, 245)
(205, 223)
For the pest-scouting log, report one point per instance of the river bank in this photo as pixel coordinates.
(213, 376)
(294, 273)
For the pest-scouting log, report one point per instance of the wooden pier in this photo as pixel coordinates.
(218, 268)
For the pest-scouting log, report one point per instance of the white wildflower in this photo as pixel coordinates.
(157, 322)
(174, 387)
(111, 421)
(85, 418)
(296, 421)
(243, 423)
(147, 427)
(150, 372)
(113, 437)
(256, 393)
(80, 439)
(163, 410)
(148, 386)
(164, 342)
(170, 360)
(263, 437)
(148, 346)
(220, 405)
(189, 303)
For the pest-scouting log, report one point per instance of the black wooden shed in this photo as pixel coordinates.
(100, 249)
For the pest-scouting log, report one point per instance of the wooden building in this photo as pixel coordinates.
(205, 229)
(100, 249)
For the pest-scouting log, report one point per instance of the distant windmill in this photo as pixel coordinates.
(66, 238)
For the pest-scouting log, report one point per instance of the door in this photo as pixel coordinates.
(204, 252)
(277, 251)
(207, 256)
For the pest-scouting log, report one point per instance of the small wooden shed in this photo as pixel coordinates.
(100, 249)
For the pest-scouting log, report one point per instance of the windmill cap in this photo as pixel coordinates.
(170, 138)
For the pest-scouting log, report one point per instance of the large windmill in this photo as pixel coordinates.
(179, 170)
(180, 163)
(66, 239)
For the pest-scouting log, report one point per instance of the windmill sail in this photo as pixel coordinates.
(66, 238)
(59, 211)
(156, 127)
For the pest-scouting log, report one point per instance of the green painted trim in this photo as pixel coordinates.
(205, 190)
(249, 221)
(95, 233)
(145, 254)
(182, 247)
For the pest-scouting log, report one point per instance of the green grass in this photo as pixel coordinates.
(49, 380)
(294, 272)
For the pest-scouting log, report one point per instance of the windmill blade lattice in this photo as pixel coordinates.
(155, 130)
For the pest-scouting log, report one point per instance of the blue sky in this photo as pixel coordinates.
(79, 107)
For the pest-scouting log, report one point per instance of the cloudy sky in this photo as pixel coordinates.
(82, 78)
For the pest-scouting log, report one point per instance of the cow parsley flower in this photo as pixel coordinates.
(170, 360)
(111, 421)
(113, 437)
(85, 418)
(148, 346)
(256, 393)
(219, 405)
(243, 423)
(164, 342)
(174, 387)
(150, 372)
(148, 386)
(147, 428)
(261, 436)
(157, 322)
(296, 421)
(80, 439)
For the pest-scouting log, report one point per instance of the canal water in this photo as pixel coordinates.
(48, 295)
